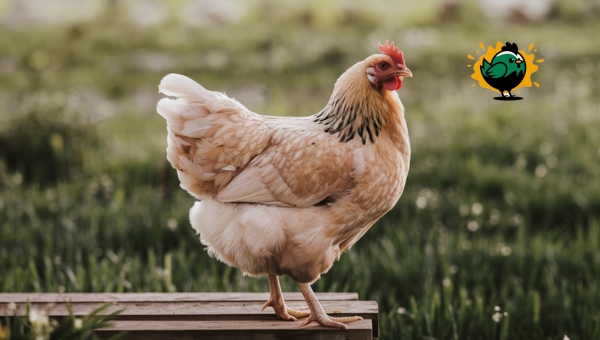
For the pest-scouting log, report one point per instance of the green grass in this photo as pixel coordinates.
(501, 207)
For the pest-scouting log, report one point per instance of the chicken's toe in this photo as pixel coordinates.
(328, 321)
(301, 312)
(346, 319)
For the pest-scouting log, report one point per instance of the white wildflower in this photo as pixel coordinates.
(566, 338)
(172, 224)
(421, 202)
(33, 316)
(40, 324)
(497, 316)
(477, 208)
(401, 310)
(464, 209)
(12, 306)
(541, 171)
(473, 226)
(505, 250)
(446, 282)
(78, 323)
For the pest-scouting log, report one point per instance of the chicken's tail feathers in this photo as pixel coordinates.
(485, 65)
(177, 85)
(206, 134)
(190, 99)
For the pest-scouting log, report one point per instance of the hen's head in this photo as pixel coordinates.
(387, 70)
(363, 99)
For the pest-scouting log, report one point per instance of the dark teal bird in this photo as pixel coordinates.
(506, 70)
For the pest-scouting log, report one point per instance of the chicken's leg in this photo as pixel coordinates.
(318, 314)
(276, 301)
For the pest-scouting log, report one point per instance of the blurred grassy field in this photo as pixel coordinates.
(501, 207)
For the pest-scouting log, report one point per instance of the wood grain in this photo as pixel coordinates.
(194, 310)
(359, 330)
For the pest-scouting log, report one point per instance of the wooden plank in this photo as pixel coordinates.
(202, 311)
(187, 306)
(167, 297)
(243, 330)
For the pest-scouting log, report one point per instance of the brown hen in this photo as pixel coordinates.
(288, 195)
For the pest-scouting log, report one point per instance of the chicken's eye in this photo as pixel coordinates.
(511, 60)
(383, 66)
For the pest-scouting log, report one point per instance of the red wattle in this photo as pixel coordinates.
(393, 84)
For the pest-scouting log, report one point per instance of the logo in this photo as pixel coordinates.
(504, 69)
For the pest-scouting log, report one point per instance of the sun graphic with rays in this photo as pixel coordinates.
(528, 58)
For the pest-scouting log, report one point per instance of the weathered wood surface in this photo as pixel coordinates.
(167, 297)
(242, 330)
(248, 310)
(203, 315)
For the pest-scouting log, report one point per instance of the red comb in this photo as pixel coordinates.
(392, 52)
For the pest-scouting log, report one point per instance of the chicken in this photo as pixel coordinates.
(289, 195)
(506, 70)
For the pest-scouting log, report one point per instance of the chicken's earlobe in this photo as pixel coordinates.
(373, 79)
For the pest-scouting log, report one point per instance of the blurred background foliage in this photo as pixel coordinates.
(502, 204)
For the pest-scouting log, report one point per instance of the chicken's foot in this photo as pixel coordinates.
(276, 301)
(318, 314)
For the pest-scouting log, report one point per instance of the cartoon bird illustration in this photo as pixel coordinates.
(289, 195)
(506, 70)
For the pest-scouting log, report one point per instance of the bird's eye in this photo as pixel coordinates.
(511, 60)
(383, 66)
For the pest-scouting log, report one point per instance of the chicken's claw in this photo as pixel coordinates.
(330, 321)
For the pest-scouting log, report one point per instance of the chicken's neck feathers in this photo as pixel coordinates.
(357, 108)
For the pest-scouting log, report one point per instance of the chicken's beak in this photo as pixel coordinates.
(404, 73)
(518, 61)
